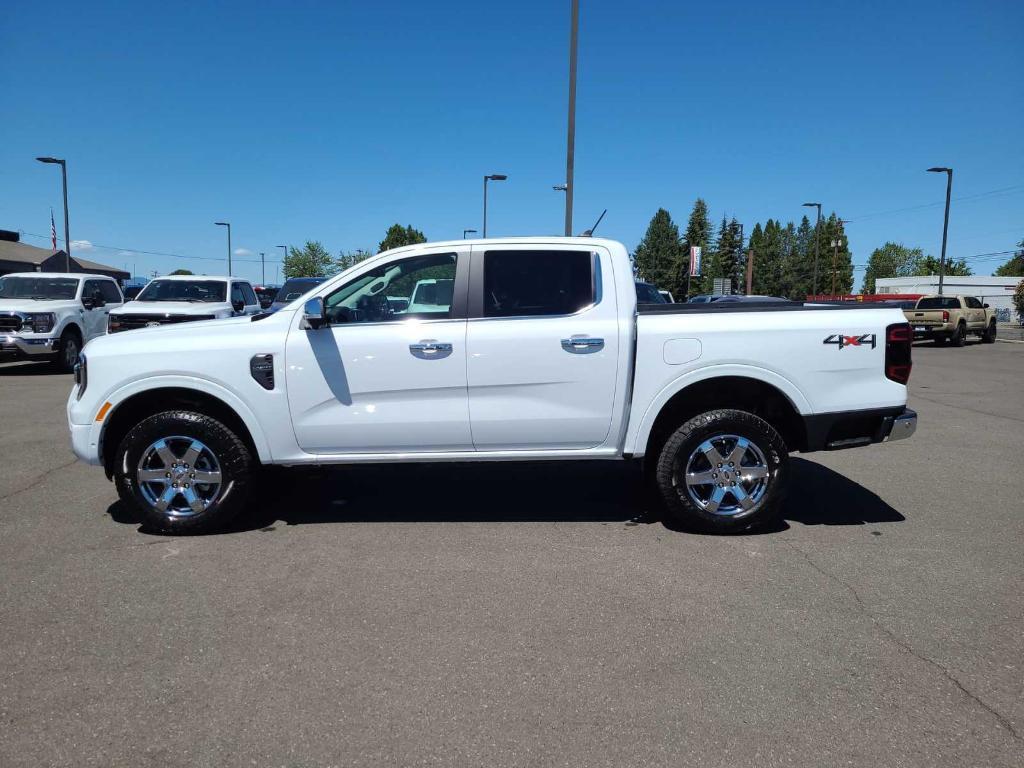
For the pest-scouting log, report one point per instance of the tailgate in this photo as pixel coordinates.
(926, 318)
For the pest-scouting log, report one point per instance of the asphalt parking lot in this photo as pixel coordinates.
(527, 615)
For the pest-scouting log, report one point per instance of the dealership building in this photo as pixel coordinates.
(16, 256)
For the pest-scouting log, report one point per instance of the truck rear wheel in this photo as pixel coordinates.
(183, 472)
(723, 471)
(959, 337)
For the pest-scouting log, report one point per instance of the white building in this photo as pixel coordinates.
(997, 292)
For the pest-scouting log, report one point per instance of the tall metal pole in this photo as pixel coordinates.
(229, 251)
(817, 248)
(945, 228)
(263, 266)
(67, 228)
(485, 205)
(570, 149)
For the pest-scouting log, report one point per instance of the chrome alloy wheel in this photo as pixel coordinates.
(70, 352)
(726, 475)
(179, 476)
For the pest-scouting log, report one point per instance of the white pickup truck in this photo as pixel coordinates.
(184, 299)
(541, 353)
(51, 315)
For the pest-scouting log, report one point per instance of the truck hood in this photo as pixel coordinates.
(173, 308)
(44, 305)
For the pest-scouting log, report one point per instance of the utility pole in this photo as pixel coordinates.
(817, 243)
(263, 265)
(228, 225)
(739, 251)
(570, 148)
(945, 222)
(750, 270)
(836, 242)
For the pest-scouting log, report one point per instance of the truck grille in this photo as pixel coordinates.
(9, 323)
(131, 322)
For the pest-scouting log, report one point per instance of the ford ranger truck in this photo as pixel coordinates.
(185, 299)
(950, 318)
(541, 352)
(50, 316)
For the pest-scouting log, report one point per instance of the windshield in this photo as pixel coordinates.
(183, 290)
(295, 287)
(939, 302)
(38, 287)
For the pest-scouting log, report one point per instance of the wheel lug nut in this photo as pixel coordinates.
(168, 474)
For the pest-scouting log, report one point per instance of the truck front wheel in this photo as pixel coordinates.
(183, 472)
(723, 471)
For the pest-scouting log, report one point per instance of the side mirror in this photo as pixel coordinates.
(985, 306)
(313, 313)
(98, 300)
(88, 302)
(238, 305)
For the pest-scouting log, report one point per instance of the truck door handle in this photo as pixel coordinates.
(581, 344)
(430, 349)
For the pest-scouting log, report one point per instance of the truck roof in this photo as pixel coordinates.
(583, 242)
(76, 275)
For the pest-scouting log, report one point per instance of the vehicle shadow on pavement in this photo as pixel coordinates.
(518, 492)
(30, 368)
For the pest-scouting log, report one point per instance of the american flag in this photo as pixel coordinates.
(53, 231)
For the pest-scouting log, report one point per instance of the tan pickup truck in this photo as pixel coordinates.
(951, 318)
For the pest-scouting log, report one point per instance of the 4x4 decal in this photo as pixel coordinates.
(841, 340)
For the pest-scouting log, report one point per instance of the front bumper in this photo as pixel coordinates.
(16, 347)
(83, 445)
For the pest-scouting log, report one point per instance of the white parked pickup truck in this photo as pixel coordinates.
(541, 353)
(51, 315)
(184, 299)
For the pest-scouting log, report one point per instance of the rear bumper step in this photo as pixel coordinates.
(853, 429)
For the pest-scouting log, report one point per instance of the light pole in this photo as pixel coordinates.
(468, 232)
(285, 249)
(228, 225)
(263, 267)
(67, 230)
(945, 221)
(817, 243)
(490, 177)
(570, 144)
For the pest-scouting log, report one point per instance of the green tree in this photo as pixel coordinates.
(312, 260)
(726, 261)
(182, 272)
(1018, 300)
(397, 236)
(929, 265)
(348, 259)
(836, 259)
(698, 233)
(658, 256)
(1015, 266)
(891, 260)
(798, 264)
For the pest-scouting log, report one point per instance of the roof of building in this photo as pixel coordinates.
(27, 256)
(23, 252)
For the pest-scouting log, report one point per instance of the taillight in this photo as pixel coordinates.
(945, 315)
(898, 342)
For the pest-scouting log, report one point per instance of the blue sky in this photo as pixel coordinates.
(332, 121)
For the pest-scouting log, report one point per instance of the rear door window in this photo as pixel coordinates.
(538, 283)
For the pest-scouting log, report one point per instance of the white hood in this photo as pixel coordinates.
(173, 308)
(43, 305)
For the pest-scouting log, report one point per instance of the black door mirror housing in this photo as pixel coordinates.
(88, 302)
(985, 306)
(238, 305)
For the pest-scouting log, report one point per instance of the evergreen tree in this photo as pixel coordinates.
(717, 263)
(698, 233)
(397, 236)
(658, 256)
(755, 245)
(798, 266)
(835, 256)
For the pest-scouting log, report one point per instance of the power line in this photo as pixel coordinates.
(993, 192)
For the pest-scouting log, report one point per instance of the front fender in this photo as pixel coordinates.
(637, 436)
(229, 398)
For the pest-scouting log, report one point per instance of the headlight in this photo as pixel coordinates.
(38, 322)
(113, 323)
(81, 374)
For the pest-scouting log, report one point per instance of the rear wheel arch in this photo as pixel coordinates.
(150, 402)
(742, 393)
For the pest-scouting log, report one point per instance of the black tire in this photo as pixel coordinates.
(989, 336)
(680, 449)
(231, 457)
(67, 352)
(959, 337)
